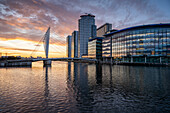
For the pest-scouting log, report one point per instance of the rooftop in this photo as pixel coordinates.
(103, 25)
(87, 15)
(140, 26)
(95, 38)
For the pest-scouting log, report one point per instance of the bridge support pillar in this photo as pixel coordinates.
(47, 62)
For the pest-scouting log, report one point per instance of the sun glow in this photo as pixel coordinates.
(25, 48)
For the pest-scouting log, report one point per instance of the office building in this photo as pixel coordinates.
(107, 48)
(86, 29)
(74, 44)
(93, 31)
(68, 46)
(95, 47)
(102, 30)
(145, 43)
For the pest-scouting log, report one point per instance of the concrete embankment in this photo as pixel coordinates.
(82, 61)
(143, 64)
(134, 63)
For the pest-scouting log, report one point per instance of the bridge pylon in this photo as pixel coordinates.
(46, 47)
(46, 42)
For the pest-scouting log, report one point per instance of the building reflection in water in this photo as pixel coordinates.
(114, 85)
(75, 73)
(98, 74)
(85, 88)
(79, 86)
(69, 71)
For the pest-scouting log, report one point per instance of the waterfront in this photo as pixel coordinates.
(81, 87)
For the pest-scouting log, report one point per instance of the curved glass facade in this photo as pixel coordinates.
(147, 40)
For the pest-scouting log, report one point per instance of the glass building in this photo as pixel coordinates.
(74, 44)
(95, 47)
(106, 47)
(68, 46)
(87, 29)
(146, 43)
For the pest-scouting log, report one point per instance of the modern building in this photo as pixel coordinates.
(68, 46)
(145, 43)
(102, 30)
(74, 44)
(95, 47)
(93, 31)
(107, 48)
(86, 29)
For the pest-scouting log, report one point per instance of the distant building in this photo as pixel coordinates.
(86, 29)
(74, 44)
(10, 57)
(93, 31)
(68, 47)
(95, 47)
(102, 30)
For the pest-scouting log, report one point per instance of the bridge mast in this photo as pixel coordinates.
(46, 42)
(46, 47)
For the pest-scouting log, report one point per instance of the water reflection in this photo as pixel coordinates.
(115, 86)
(46, 88)
(69, 71)
(81, 87)
(98, 74)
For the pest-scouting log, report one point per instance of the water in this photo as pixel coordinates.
(80, 87)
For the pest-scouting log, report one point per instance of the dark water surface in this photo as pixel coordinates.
(80, 88)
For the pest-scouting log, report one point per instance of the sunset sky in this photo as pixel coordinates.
(24, 22)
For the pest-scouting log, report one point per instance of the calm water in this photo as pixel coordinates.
(79, 87)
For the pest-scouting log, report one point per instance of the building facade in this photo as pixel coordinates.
(146, 43)
(74, 44)
(107, 47)
(102, 30)
(86, 29)
(68, 46)
(95, 48)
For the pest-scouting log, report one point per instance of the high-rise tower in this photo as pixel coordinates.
(74, 44)
(68, 46)
(86, 30)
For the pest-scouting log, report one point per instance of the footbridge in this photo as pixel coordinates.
(46, 61)
(52, 59)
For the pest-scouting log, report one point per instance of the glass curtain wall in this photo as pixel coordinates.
(150, 42)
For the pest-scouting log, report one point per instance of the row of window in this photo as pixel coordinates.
(155, 41)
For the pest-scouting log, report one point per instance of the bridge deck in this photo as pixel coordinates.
(52, 59)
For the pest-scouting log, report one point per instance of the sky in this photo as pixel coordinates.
(24, 22)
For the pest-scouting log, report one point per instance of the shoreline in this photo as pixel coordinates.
(29, 64)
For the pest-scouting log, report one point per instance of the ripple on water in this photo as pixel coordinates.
(77, 87)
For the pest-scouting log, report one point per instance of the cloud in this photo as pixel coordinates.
(62, 15)
(29, 19)
(18, 49)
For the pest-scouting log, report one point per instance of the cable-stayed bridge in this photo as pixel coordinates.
(51, 44)
(46, 61)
